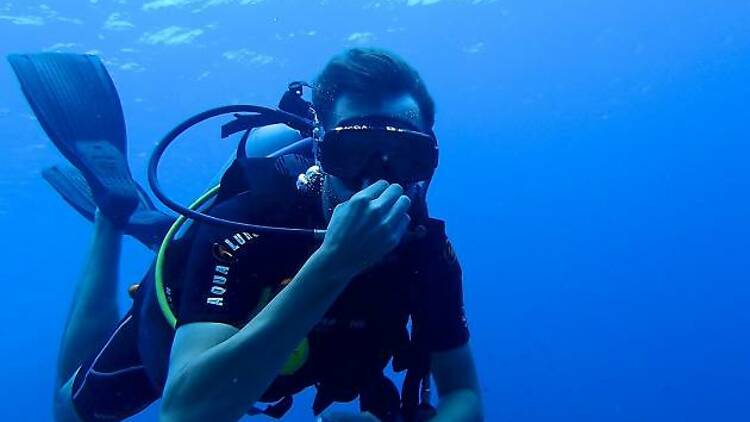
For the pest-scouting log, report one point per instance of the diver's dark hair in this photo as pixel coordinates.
(371, 72)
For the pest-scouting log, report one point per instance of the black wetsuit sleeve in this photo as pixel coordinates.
(439, 318)
(225, 276)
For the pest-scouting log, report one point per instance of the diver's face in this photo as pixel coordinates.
(347, 107)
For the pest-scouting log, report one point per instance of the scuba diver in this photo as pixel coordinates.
(314, 262)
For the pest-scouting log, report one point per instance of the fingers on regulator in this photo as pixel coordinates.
(400, 206)
(402, 225)
(398, 213)
(389, 197)
(373, 191)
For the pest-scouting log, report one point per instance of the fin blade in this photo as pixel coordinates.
(72, 187)
(77, 105)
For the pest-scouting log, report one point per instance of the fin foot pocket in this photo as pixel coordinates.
(146, 223)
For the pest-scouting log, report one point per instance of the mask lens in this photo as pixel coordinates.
(344, 154)
(396, 155)
(410, 157)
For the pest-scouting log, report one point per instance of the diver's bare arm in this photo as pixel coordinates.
(221, 382)
(458, 386)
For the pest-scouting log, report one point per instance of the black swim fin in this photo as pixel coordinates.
(76, 102)
(72, 187)
(147, 224)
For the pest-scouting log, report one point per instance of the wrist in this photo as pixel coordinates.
(330, 262)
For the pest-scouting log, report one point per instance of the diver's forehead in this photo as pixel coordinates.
(403, 107)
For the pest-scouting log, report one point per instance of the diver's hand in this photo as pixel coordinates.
(348, 417)
(365, 228)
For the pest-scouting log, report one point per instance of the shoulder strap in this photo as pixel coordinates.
(262, 176)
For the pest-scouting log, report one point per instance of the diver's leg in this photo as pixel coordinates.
(64, 410)
(112, 383)
(94, 312)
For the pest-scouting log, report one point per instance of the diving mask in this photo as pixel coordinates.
(376, 148)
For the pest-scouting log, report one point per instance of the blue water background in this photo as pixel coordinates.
(594, 176)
